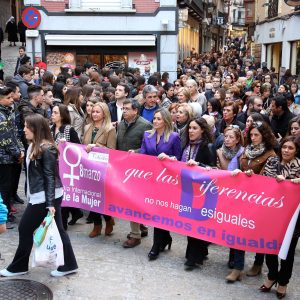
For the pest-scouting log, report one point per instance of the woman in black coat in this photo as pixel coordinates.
(11, 30)
(22, 30)
(61, 130)
(199, 151)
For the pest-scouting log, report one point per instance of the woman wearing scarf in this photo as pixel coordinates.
(228, 158)
(199, 151)
(258, 152)
(12, 30)
(183, 116)
(284, 167)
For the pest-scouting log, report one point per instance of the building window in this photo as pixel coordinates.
(100, 5)
(273, 9)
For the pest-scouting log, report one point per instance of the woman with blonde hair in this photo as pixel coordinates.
(100, 133)
(162, 142)
(183, 116)
(183, 95)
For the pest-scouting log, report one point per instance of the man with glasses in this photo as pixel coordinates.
(129, 138)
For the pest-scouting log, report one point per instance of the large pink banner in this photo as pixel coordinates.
(248, 213)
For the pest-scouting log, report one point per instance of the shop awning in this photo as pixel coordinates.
(100, 40)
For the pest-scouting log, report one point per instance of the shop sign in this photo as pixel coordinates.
(140, 60)
(272, 33)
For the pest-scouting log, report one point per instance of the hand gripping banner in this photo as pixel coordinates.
(249, 213)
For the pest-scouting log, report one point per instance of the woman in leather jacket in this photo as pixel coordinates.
(44, 193)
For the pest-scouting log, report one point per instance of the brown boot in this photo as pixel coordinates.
(96, 231)
(234, 276)
(131, 242)
(109, 226)
(254, 271)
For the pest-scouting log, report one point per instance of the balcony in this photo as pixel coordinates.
(238, 22)
(100, 6)
(273, 9)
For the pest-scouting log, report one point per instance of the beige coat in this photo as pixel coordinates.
(77, 119)
(102, 139)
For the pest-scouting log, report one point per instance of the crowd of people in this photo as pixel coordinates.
(222, 111)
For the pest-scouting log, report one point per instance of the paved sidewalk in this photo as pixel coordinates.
(107, 271)
(9, 57)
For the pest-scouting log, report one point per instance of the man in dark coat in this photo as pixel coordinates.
(281, 116)
(21, 58)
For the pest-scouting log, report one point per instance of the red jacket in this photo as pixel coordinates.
(41, 65)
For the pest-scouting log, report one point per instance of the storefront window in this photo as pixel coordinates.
(274, 52)
(55, 60)
(81, 59)
(295, 59)
(115, 61)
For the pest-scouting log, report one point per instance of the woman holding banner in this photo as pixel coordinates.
(162, 142)
(286, 167)
(44, 193)
(258, 152)
(228, 157)
(199, 151)
(100, 133)
(62, 130)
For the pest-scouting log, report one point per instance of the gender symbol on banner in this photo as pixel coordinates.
(71, 176)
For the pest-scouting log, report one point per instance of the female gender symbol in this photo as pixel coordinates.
(72, 166)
